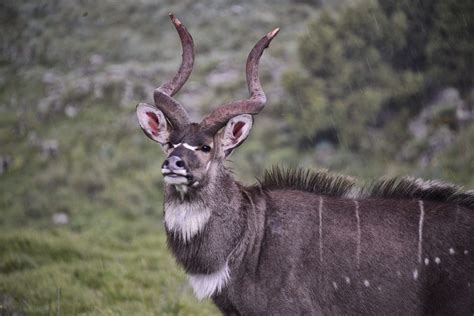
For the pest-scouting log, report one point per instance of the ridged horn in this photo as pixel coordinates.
(172, 109)
(219, 117)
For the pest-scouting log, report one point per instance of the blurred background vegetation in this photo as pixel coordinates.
(367, 88)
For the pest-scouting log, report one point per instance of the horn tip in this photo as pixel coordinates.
(273, 33)
(174, 19)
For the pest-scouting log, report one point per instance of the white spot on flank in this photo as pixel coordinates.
(379, 288)
(427, 261)
(348, 281)
(420, 229)
(466, 252)
(451, 251)
(437, 260)
(186, 219)
(399, 273)
(366, 283)
(321, 229)
(415, 274)
(206, 285)
(358, 233)
(334, 284)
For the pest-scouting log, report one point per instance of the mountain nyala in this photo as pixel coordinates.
(300, 241)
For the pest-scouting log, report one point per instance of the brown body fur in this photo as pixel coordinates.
(277, 266)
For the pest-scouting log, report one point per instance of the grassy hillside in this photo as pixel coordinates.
(80, 185)
(81, 199)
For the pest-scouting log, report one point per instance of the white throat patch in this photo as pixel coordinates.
(186, 219)
(206, 285)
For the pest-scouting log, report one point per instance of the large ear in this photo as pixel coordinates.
(153, 123)
(235, 132)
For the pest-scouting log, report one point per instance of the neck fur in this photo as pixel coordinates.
(206, 211)
(204, 228)
(188, 210)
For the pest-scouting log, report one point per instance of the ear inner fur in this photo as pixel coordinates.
(236, 131)
(153, 123)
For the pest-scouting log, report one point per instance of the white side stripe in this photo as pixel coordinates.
(321, 229)
(358, 233)
(420, 230)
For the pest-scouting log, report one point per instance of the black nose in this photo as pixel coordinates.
(174, 163)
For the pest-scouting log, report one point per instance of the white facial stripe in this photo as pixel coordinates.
(187, 146)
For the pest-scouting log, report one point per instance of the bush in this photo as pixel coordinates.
(372, 66)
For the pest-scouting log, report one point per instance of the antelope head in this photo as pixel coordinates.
(194, 149)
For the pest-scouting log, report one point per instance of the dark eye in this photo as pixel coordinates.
(169, 145)
(205, 148)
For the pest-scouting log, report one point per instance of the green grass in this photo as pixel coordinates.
(47, 272)
(111, 257)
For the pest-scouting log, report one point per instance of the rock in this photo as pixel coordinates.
(96, 60)
(71, 111)
(437, 123)
(447, 108)
(49, 148)
(60, 218)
